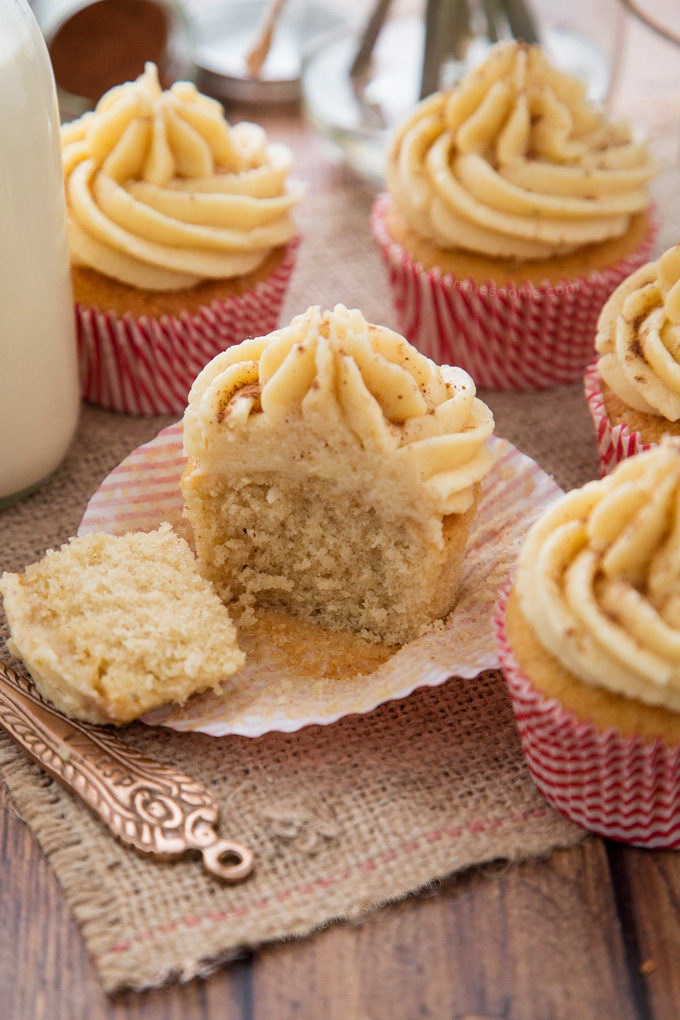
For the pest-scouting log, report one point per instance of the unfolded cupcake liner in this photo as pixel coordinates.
(146, 365)
(614, 442)
(619, 787)
(514, 336)
(311, 678)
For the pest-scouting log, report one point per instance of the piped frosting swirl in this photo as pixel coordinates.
(515, 163)
(332, 383)
(162, 192)
(639, 338)
(599, 579)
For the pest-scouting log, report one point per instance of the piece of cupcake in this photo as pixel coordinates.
(590, 646)
(180, 236)
(112, 626)
(333, 473)
(634, 389)
(513, 211)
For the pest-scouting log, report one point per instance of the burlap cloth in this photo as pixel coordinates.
(342, 818)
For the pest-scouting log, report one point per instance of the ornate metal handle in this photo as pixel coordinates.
(152, 808)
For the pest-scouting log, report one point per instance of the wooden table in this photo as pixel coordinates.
(592, 933)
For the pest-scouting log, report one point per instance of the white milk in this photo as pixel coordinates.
(39, 395)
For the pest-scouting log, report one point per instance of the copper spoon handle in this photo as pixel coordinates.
(152, 808)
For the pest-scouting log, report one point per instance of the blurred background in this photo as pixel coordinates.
(353, 68)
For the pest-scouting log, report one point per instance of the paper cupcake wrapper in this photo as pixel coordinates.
(512, 337)
(622, 788)
(280, 691)
(147, 365)
(614, 442)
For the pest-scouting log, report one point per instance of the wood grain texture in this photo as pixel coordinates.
(45, 973)
(537, 942)
(648, 889)
(541, 941)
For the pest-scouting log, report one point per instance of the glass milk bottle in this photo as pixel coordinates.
(39, 392)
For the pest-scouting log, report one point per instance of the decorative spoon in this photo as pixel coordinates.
(153, 808)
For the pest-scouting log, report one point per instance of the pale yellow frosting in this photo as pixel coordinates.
(514, 162)
(599, 579)
(332, 388)
(162, 193)
(639, 338)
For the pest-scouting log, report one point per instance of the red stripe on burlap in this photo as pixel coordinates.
(411, 846)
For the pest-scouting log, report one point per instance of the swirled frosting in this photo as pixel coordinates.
(162, 193)
(337, 398)
(515, 163)
(639, 338)
(599, 579)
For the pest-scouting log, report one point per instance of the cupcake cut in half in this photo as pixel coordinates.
(634, 391)
(333, 472)
(513, 210)
(112, 626)
(180, 235)
(590, 645)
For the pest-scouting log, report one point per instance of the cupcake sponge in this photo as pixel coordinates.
(112, 626)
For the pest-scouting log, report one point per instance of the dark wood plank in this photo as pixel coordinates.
(536, 942)
(648, 890)
(45, 973)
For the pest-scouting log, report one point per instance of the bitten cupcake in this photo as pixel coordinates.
(590, 647)
(634, 389)
(180, 235)
(333, 473)
(513, 211)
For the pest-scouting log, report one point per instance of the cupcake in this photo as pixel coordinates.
(513, 211)
(333, 473)
(589, 642)
(634, 389)
(180, 236)
(111, 626)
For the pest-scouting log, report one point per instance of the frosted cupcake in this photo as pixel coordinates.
(590, 647)
(513, 211)
(333, 473)
(634, 389)
(180, 235)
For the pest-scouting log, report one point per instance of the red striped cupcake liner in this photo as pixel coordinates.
(512, 337)
(147, 365)
(621, 788)
(614, 442)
